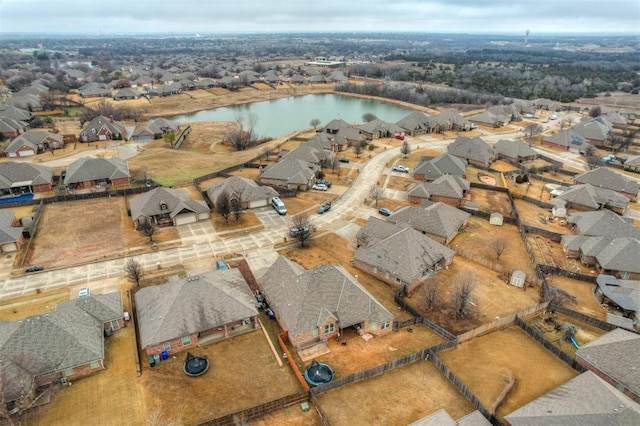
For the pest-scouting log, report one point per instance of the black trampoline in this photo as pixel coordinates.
(195, 365)
(318, 373)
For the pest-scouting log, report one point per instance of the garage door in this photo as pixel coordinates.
(9, 247)
(27, 153)
(185, 218)
(257, 203)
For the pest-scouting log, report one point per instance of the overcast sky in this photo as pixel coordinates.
(213, 16)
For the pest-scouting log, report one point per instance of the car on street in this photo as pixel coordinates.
(324, 208)
(34, 269)
(84, 292)
(399, 168)
(384, 211)
(343, 159)
(319, 187)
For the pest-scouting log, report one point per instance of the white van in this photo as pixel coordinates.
(278, 205)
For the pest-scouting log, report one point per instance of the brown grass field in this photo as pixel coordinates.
(484, 363)
(491, 201)
(398, 397)
(585, 301)
(25, 306)
(290, 416)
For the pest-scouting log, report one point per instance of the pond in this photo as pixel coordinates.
(282, 116)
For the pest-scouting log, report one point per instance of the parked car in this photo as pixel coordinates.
(553, 117)
(402, 169)
(384, 211)
(400, 137)
(84, 292)
(324, 182)
(34, 269)
(343, 160)
(319, 187)
(324, 208)
(221, 264)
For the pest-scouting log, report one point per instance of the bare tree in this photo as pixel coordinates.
(243, 135)
(236, 209)
(376, 192)
(500, 245)
(405, 148)
(461, 302)
(223, 206)
(147, 228)
(593, 162)
(302, 228)
(357, 149)
(595, 111)
(430, 288)
(134, 271)
(531, 130)
(315, 123)
(368, 116)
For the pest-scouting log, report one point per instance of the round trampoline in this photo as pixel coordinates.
(318, 374)
(195, 365)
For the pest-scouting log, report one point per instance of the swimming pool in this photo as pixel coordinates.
(23, 197)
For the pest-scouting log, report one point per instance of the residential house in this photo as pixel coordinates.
(595, 130)
(603, 177)
(185, 313)
(613, 357)
(633, 164)
(94, 90)
(26, 100)
(567, 140)
(616, 119)
(318, 304)
(585, 400)
(609, 255)
(334, 125)
(492, 119)
(155, 129)
(11, 128)
(86, 172)
(245, 191)
(624, 294)
(545, 104)
(19, 114)
(167, 90)
(102, 128)
(291, 173)
(602, 223)
(33, 142)
(167, 207)
(57, 347)
(418, 123)
(516, 151)
(106, 308)
(445, 164)
(376, 230)
(404, 259)
(446, 189)
(11, 238)
(439, 221)
(473, 150)
(19, 178)
(346, 137)
(126, 93)
(449, 120)
(587, 197)
(311, 153)
(377, 128)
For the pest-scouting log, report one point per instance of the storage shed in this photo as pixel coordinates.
(496, 219)
(518, 278)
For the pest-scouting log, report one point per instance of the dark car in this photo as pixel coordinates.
(324, 208)
(343, 160)
(324, 182)
(34, 269)
(384, 211)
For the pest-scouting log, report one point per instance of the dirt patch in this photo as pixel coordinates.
(482, 364)
(398, 183)
(397, 397)
(502, 166)
(87, 230)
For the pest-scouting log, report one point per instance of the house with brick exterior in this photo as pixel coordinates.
(614, 358)
(472, 150)
(514, 150)
(447, 189)
(87, 172)
(595, 130)
(398, 254)
(567, 140)
(291, 173)
(11, 238)
(602, 223)
(439, 221)
(619, 256)
(584, 400)
(377, 128)
(189, 312)
(449, 120)
(587, 197)
(33, 142)
(60, 346)
(103, 128)
(604, 177)
(430, 169)
(314, 305)
(245, 191)
(167, 207)
(20, 178)
(155, 129)
(418, 123)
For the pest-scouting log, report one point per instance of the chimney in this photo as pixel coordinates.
(111, 118)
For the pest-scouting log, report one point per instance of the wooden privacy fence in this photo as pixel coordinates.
(184, 134)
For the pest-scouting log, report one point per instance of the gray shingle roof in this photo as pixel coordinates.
(93, 127)
(103, 307)
(514, 149)
(440, 165)
(407, 254)
(603, 223)
(182, 307)
(621, 254)
(10, 111)
(448, 186)
(619, 292)
(176, 200)
(416, 121)
(593, 128)
(475, 149)
(247, 189)
(8, 233)
(586, 400)
(31, 139)
(13, 174)
(290, 170)
(304, 300)
(606, 178)
(436, 219)
(89, 169)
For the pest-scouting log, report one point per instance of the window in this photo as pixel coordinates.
(186, 340)
(373, 326)
(386, 325)
(167, 346)
(398, 281)
(95, 364)
(329, 328)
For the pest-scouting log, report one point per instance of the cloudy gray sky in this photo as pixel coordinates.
(212, 16)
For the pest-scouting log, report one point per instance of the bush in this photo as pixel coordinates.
(371, 147)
